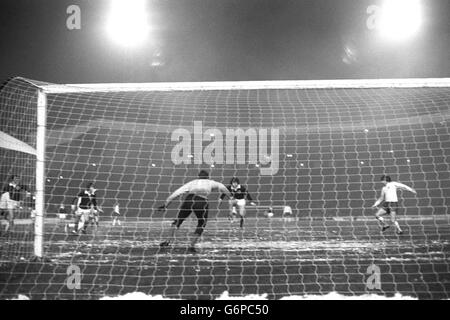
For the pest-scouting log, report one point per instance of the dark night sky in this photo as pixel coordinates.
(208, 40)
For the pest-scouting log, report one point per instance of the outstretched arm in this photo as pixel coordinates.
(224, 190)
(182, 190)
(405, 187)
(223, 195)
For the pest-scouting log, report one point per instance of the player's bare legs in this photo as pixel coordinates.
(9, 219)
(84, 220)
(171, 237)
(81, 223)
(241, 215)
(194, 240)
(116, 221)
(76, 222)
(6, 222)
(395, 222)
(96, 220)
(202, 217)
(233, 213)
(379, 217)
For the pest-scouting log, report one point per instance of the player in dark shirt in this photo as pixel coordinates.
(86, 208)
(239, 196)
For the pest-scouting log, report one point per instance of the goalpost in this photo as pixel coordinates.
(336, 138)
(25, 106)
(43, 89)
(243, 85)
(40, 174)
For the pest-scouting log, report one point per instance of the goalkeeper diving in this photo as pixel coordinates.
(196, 201)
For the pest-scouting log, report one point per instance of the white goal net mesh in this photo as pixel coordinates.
(318, 149)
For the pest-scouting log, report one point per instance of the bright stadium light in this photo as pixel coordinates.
(127, 23)
(399, 19)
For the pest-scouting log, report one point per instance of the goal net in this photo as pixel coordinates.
(311, 155)
(18, 133)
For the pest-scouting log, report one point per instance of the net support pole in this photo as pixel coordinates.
(40, 174)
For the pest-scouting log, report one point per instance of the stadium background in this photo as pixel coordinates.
(232, 40)
(226, 40)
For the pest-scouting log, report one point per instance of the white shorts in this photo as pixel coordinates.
(93, 214)
(238, 202)
(4, 201)
(12, 204)
(241, 202)
(83, 212)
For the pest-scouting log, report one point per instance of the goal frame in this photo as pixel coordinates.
(43, 90)
(40, 174)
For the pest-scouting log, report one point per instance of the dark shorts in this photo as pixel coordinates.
(115, 214)
(390, 206)
(195, 204)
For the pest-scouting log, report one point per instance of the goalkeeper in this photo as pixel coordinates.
(196, 201)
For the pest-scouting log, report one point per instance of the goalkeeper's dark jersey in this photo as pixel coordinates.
(238, 193)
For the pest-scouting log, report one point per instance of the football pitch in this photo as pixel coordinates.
(272, 258)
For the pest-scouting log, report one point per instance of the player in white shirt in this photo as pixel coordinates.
(389, 200)
(11, 200)
(196, 201)
(116, 214)
(287, 212)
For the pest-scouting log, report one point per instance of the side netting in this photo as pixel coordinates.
(318, 148)
(18, 106)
